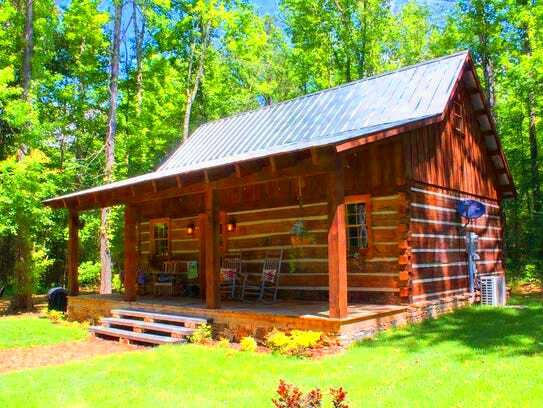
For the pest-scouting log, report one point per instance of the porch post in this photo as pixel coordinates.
(73, 252)
(211, 239)
(337, 243)
(202, 222)
(130, 254)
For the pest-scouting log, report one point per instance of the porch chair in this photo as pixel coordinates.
(269, 279)
(230, 275)
(166, 278)
(192, 282)
(142, 272)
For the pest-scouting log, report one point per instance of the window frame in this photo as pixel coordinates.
(152, 224)
(366, 200)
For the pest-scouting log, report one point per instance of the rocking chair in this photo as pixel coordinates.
(269, 279)
(230, 275)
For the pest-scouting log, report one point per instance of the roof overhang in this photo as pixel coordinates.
(100, 196)
(486, 122)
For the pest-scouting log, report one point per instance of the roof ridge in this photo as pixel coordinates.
(382, 74)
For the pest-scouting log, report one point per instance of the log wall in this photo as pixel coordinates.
(448, 162)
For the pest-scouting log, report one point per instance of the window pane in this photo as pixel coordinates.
(357, 230)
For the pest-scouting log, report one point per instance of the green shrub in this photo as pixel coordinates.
(89, 274)
(298, 343)
(202, 334)
(223, 343)
(116, 283)
(531, 274)
(248, 344)
(55, 315)
(40, 265)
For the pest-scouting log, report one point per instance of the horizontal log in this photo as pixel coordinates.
(425, 257)
(425, 288)
(279, 225)
(442, 229)
(435, 215)
(279, 213)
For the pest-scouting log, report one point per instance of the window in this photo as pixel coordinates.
(357, 224)
(160, 235)
(458, 118)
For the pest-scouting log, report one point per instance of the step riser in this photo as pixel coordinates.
(140, 326)
(124, 336)
(188, 321)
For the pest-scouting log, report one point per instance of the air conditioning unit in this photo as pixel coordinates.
(493, 291)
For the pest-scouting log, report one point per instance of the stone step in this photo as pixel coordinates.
(134, 336)
(188, 321)
(177, 331)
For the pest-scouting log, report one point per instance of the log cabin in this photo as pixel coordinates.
(370, 172)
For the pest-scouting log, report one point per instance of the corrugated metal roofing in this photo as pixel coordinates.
(330, 116)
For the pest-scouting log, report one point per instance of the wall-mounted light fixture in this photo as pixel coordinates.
(231, 226)
(190, 229)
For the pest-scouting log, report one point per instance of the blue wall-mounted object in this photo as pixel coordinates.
(471, 209)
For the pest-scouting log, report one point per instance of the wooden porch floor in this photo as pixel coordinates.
(286, 308)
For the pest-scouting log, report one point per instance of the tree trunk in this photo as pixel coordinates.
(22, 298)
(532, 129)
(138, 37)
(28, 47)
(488, 73)
(105, 254)
(193, 91)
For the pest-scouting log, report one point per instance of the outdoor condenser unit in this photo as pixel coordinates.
(493, 292)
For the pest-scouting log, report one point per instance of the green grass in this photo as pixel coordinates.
(33, 331)
(474, 357)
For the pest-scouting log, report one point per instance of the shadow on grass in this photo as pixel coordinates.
(508, 331)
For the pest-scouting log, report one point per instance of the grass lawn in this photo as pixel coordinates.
(32, 331)
(473, 357)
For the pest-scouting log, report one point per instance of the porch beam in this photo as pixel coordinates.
(337, 243)
(211, 232)
(73, 253)
(130, 254)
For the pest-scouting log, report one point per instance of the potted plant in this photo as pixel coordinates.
(298, 233)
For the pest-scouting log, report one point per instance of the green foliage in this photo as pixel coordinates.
(202, 334)
(89, 274)
(55, 315)
(116, 283)
(297, 343)
(248, 344)
(249, 59)
(223, 343)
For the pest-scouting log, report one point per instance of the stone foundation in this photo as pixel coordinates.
(235, 324)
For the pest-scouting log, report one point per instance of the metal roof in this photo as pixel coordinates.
(326, 117)
(322, 118)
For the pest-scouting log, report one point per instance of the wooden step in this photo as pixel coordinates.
(133, 336)
(177, 331)
(163, 317)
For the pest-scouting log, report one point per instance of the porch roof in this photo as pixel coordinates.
(413, 95)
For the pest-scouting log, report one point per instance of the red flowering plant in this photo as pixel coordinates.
(291, 396)
(338, 397)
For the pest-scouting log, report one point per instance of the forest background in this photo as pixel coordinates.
(94, 91)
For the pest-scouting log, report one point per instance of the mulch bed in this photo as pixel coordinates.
(16, 359)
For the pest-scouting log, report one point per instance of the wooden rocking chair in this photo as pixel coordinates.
(269, 280)
(230, 275)
(166, 278)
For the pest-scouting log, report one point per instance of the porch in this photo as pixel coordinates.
(252, 317)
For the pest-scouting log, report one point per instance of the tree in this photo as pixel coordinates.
(24, 183)
(105, 254)
(28, 47)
